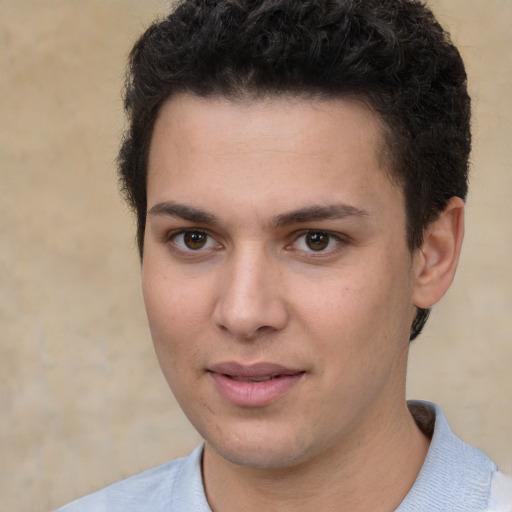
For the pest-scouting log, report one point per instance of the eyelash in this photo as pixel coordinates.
(327, 237)
(201, 232)
(210, 243)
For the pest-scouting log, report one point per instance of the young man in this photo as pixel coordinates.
(298, 170)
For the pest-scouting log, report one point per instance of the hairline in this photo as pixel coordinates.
(386, 157)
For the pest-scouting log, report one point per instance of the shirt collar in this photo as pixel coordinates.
(188, 492)
(454, 476)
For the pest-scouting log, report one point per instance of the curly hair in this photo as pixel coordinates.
(392, 55)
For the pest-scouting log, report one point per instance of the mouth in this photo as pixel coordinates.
(259, 372)
(253, 385)
(253, 379)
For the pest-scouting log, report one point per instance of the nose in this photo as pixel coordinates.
(250, 299)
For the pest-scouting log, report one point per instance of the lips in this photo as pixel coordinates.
(253, 385)
(254, 379)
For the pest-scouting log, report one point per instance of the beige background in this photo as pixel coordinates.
(82, 401)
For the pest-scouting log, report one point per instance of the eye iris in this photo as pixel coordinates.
(317, 241)
(195, 239)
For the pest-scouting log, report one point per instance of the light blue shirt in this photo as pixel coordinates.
(455, 477)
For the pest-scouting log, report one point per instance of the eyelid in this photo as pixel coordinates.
(339, 238)
(171, 236)
(213, 243)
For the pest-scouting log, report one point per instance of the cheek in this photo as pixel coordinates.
(174, 341)
(172, 300)
(360, 311)
(176, 312)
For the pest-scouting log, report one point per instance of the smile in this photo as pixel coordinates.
(254, 379)
(255, 385)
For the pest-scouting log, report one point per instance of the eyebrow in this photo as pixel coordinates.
(319, 212)
(300, 216)
(184, 212)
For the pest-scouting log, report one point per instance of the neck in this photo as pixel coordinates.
(373, 470)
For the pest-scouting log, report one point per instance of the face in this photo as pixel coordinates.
(276, 275)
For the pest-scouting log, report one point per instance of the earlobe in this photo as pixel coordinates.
(436, 261)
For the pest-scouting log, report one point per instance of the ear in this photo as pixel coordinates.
(436, 261)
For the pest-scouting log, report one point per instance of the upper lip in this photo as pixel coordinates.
(249, 371)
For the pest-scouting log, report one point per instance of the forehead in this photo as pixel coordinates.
(249, 117)
(275, 151)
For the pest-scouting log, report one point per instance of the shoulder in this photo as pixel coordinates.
(501, 493)
(154, 489)
(455, 476)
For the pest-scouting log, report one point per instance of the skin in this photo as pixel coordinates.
(297, 257)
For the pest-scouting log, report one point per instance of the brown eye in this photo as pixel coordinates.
(195, 240)
(317, 240)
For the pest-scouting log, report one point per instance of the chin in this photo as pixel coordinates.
(261, 450)
(258, 457)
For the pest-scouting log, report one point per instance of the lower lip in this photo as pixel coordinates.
(254, 394)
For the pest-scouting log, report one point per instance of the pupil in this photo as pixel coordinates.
(195, 239)
(317, 241)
